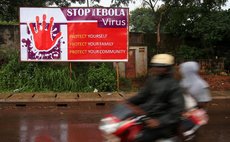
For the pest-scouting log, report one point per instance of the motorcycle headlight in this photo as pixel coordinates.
(108, 125)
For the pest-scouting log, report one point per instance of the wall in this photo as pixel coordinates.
(137, 65)
(9, 36)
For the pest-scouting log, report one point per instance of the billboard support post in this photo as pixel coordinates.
(70, 70)
(118, 81)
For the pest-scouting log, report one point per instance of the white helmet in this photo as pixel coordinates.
(162, 60)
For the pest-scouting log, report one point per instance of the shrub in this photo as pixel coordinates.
(40, 76)
(185, 52)
(125, 84)
(102, 78)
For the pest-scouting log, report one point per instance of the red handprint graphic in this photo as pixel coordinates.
(42, 36)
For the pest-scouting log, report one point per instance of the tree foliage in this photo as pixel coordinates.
(202, 19)
(142, 20)
(213, 27)
(205, 21)
(9, 9)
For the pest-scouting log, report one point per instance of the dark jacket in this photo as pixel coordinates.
(161, 98)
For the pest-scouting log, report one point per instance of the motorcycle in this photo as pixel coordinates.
(122, 125)
(193, 118)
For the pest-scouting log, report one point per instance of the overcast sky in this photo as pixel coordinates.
(106, 3)
(227, 5)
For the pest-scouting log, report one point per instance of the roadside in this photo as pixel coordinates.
(218, 82)
(77, 100)
(81, 97)
(219, 85)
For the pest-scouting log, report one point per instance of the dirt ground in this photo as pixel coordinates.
(218, 82)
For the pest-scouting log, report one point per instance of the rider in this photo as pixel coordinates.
(160, 99)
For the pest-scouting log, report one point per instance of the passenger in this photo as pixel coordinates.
(193, 84)
(197, 95)
(160, 99)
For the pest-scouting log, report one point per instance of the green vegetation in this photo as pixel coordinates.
(8, 23)
(125, 84)
(142, 20)
(200, 28)
(185, 52)
(9, 9)
(102, 78)
(37, 76)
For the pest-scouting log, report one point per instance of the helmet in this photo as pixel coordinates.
(162, 60)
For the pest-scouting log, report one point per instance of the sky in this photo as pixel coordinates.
(106, 3)
(227, 5)
(137, 4)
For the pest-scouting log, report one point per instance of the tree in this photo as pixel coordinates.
(158, 16)
(205, 21)
(9, 8)
(201, 25)
(142, 20)
(213, 27)
(180, 17)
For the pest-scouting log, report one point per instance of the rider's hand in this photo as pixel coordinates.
(152, 123)
(136, 110)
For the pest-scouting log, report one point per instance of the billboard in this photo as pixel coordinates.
(73, 34)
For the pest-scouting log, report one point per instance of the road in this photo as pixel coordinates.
(80, 124)
(218, 129)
